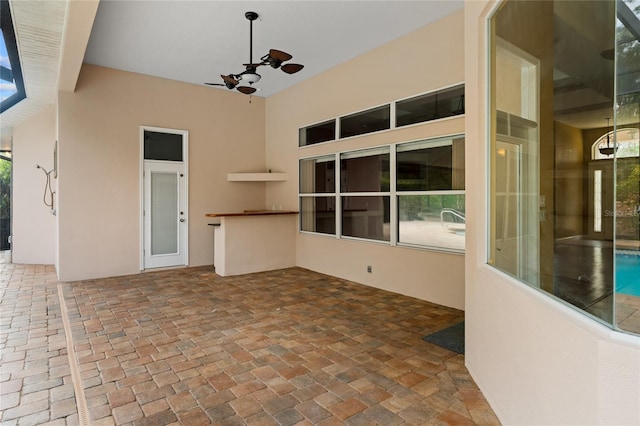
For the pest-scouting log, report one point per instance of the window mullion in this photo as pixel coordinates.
(393, 199)
(338, 188)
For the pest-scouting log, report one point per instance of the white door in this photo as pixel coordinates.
(508, 208)
(516, 210)
(165, 220)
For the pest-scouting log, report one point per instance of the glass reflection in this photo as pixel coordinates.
(564, 211)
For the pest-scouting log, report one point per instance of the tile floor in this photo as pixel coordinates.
(190, 347)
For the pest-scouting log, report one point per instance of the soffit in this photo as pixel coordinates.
(39, 27)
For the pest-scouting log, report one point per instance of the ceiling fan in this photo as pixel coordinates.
(275, 59)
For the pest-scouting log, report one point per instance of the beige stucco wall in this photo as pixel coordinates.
(33, 225)
(536, 360)
(426, 60)
(570, 217)
(99, 184)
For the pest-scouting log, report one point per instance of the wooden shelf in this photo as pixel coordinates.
(256, 177)
(252, 213)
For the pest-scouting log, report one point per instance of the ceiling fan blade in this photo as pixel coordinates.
(291, 68)
(214, 84)
(279, 55)
(247, 90)
(230, 79)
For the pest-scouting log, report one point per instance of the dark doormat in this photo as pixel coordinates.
(451, 338)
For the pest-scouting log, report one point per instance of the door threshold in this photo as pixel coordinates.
(164, 268)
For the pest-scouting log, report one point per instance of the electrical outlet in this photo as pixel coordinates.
(369, 268)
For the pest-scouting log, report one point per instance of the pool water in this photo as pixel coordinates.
(628, 274)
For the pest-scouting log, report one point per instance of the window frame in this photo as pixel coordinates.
(431, 94)
(315, 195)
(392, 116)
(435, 142)
(343, 193)
(393, 195)
(389, 109)
(8, 33)
(336, 128)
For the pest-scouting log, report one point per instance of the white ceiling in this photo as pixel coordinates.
(197, 41)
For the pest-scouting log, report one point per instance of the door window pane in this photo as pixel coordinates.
(164, 213)
(597, 201)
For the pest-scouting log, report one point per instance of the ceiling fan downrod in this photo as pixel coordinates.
(251, 16)
(250, 75)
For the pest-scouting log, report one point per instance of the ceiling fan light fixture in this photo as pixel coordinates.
(247, 90)
(251, 77)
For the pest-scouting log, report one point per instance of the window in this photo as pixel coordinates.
(162, 146)
(364, 185)
(12, 86)
(432, 106)
(317, 195)
(430, 191)
(419, 109)
(372, 120)
(626, 144)
(563, 215)
(317, 133)
(406, 194)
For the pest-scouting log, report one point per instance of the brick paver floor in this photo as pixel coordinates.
(35, 378)
(189, 347)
